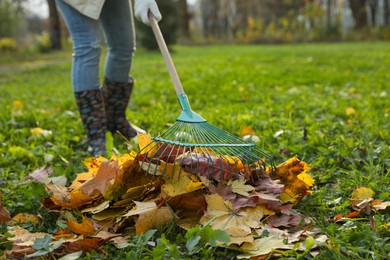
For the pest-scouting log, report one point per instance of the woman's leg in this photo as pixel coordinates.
(87, 38)
(117, 22)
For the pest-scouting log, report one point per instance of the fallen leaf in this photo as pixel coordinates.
(382, 206)
(25, 218)
(262, 246)
(240, 187)
(85, 228)
(40, 174)
(4, 214)
(22, 237)
(153, 219)
(363, 193)
(183, 185)
(234, 222)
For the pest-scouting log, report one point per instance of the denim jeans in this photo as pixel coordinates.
(116, 22)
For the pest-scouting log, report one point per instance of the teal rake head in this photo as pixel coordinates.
(194, 146)
(197, 147)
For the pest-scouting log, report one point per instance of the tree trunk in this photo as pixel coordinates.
(373, 8)
(359, 13)
(185, 19)
(55, 28)
(386, 13)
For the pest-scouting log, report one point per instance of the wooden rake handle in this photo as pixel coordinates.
(165, 53)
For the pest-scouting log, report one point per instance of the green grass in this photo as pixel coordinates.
(302, 89)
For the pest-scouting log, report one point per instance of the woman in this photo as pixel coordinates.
(103, 109)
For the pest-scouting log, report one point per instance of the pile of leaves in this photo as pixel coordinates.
(117, 198)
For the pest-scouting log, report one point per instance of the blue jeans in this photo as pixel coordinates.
(116, 22)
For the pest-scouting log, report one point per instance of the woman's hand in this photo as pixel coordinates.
(142, 7)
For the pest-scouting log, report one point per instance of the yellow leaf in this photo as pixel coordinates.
(293, 174)
(263, 246)
(25, 218)
(183, 185)
(239, 187)
(81, 178)
(146, 144)
(363, 193)
(247, 130)
(141, 208)
(84, 228)
(37, 131)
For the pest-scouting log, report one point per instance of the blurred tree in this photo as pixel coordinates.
(55, 27)
(10, 13)
(359, 13)
(386, 13)
(373, 4)
(185, 17)
(169, 26)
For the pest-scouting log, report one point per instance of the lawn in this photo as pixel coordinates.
(327, 103)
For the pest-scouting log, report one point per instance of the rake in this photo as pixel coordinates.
(195, 146)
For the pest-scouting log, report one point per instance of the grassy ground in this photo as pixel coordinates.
(329, 104)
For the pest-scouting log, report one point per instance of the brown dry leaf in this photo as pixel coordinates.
(105, 177)
(4, 214)
(361, 205)
(40, 174)
(85, 245)
(153, 219)
(18, 252)
(23, 237)
(235, 222)
(383, 205)
(72, 200)
(292, 174)
(25, 218)
(363, 193)
(240, 187)
(81, 178)
(98, 208)
(85, 228)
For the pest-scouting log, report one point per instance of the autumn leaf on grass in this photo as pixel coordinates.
(24, 218)
(183, 185)
(85, 228)
(222, 215)
(65, 199)
(293, 174)
(150, 216)
(4, 214)
(262, 246)
(361, 199)
(22, 237)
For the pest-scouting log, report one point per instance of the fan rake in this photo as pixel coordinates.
(195, 146)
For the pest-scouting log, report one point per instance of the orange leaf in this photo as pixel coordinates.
(146, 144)
(104, 178)
(84, 228)
(4, 214)
(353, 214)
(247, 130)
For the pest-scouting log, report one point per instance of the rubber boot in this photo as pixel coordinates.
(116, 99)
(93, 116)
